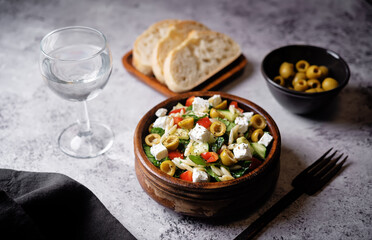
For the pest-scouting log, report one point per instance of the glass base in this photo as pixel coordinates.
(87, 144)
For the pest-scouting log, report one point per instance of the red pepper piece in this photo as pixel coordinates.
(177, 120)
(189, 101)
(235, 104)
(187, 176)
(175, 154)
(210, 156)
(205, 122)
(177, 111)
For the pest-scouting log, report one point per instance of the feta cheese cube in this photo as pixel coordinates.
(200, 105)
(265, 139)
(215, 100)
(199, 175)
(159, 151)
(200, 134)
(242, 152)
(160, 122)
(242, 122)
(161, 112)
(200, 114)
(248, 115)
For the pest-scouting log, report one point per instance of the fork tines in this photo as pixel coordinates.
(319, 173)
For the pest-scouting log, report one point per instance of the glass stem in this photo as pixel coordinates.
(84, 122)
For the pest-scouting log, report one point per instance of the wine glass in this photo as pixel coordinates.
(76, 63)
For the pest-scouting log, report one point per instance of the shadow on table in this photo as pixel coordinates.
(291, 165)
(352, 105)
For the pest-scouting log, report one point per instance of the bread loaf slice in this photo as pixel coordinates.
(145, 43)
(200, 56)
(177, 33)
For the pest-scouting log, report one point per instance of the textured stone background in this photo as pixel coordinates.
(31, 116)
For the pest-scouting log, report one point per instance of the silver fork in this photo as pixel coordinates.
(308, 181)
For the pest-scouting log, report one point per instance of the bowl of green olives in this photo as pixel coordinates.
(206, 199)
(304, 78)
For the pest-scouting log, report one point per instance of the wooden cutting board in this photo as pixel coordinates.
(226, 75)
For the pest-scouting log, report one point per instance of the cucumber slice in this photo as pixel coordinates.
(259, 150)
(251, 148)
(199, 147)
(228, 115)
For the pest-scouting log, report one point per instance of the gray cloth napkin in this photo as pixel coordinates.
(52, 206)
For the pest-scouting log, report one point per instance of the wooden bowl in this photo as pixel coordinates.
(208, 199)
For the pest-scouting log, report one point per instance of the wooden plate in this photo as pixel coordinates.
(229, 73)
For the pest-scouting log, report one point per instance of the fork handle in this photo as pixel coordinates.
(270, 214)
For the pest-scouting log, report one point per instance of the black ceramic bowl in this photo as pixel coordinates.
(301, 102)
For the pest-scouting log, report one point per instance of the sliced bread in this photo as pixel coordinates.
(145, 43)
(200, 56)
(177, 33)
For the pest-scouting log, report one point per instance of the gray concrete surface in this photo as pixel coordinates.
(31, 116)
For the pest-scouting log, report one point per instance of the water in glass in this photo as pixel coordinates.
(77, 81)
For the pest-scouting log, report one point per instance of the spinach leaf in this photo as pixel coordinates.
(178, 172)
(217, 144)
(229, 125)
(212, 174)
(197, 159)
(189, 108)
(183, 144)
(241, 171)
(150, 156)
(247, 134)
(157, 130)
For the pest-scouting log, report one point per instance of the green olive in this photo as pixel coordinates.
(152, 139)
(286, 70)
(256, 135)
(258, 121)
(222, 105)
(329, 84)
(187, 123)
(218, 128)
(300, 85)
(150, 127)
(215, 114)
(298, 76)
(324, 71)
(171, 142)
(168, 167)
(313, 83)
(227, 157)
(279, 80)
(302, 66)
(313, 72)
(311, 90)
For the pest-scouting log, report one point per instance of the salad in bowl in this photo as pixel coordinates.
(207, 139)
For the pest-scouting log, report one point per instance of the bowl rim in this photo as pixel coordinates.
(141, 157)
(304, 94)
